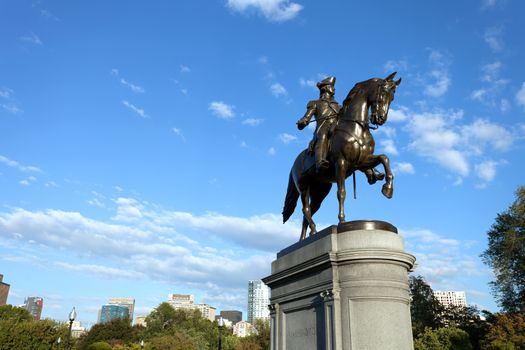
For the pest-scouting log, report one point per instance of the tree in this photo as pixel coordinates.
(117, 331)
(34, 335)
(425, 309)
(506, 332)
(100, 345)
(446, 338)
(506, 255)
(18, 314)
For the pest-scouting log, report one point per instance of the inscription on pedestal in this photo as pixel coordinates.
(301, 330)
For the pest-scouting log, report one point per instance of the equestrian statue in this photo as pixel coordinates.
(342, 144)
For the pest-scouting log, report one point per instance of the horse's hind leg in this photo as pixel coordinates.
(303, 230)
(307, 213)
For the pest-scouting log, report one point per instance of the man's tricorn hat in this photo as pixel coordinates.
(326, 81)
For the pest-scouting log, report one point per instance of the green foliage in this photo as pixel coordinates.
(18, 314)
(114, 332)
(29, 334)
(506, 332)
(506, 255)
(447, 338)
(100, 345)
(425, 309)
(261, 336)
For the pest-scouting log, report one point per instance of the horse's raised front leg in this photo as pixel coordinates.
(341, 167)
(307, 213)
(373, 161)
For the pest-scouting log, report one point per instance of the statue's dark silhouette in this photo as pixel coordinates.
(349, 148)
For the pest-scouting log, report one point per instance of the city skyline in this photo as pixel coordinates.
(145, 148)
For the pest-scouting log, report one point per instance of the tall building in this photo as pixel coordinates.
(243, 329)
(112, 312)
(448, 298)
(185, 301)
(77, 330)
(258, 300)
(127, 302)
(232, 315)
(4, 291)
(34, 305)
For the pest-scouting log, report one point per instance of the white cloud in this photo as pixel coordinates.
(114, 71)
(48, 15)
(287, 138)
(483, 132)
(403, 168)
(133, 87)
(179, 133)
(397, 115)
(440, 137)
(492, 37)
(442, 261)
(272, 10)
(395, 66)
(440, 85)
(108, 272)
(5, 92)
(244, 144)
(221, 110)
(11, 108)
(389, 147)
(491, 71)
(504, 105)
(32, 38)
(307, 83)
(184, 69)
(14, 164)
(135, 109)
(278, 90)
(486, 170)
(434, 137)
(271, 151)
(96, 203)
(252, 121)
(478, 95)
(520, 96)
(147, 241)
(263, 60)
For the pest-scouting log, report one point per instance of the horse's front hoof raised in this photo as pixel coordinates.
(388, 191)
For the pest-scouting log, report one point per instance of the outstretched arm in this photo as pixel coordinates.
(310, 111)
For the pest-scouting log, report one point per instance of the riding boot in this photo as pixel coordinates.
(321, 163)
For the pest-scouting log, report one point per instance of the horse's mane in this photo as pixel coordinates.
(355, 91)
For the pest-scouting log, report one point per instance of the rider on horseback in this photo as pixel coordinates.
(326, 109)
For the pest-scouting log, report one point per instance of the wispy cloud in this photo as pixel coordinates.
(133, 87)
(271, 151)
(135, 109)
(28, 181)
(493, 38)
(272, 10)
(48, 15)
(14, 164)
(278, 90)
(9, 105)
(222, 110)
(439, 74)
(179, 133)
(307, 83)
(403, 168)
(287, 138)
(252, 121)
(184, 69)
(389, 147)
(32, 39)
(441, 137)
(520, 96)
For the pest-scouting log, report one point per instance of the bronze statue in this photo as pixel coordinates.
(325, 110)
(350, 148)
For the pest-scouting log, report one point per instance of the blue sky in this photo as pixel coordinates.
(145, 146)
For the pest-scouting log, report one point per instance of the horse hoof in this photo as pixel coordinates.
(313, 232)
(387, 191)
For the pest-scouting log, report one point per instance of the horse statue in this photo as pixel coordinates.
(351, 149)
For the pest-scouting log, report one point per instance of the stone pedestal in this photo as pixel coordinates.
(344, 288)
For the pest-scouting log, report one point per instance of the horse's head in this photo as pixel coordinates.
(381, 99)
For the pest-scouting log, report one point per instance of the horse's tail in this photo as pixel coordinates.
(291, 199)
